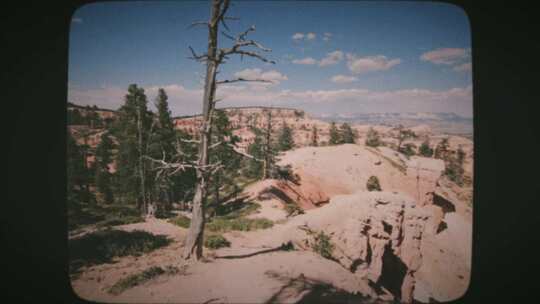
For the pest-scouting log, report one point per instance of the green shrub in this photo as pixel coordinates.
(293, 209)
(181, 220)
(408, 150)
(219, 224)
(140, 278)
(216, 241)
(373, 184)
(323, 246)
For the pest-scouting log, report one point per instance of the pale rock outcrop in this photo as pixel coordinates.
(376, 235)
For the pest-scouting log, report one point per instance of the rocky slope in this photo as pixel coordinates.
(411, 241)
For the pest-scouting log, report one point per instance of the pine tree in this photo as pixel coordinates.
(263, 148)
(222, 181)
(103, 176)
(348, 136)
(161, 143)
(74, 117)
(314, 137)
(255, 169)
(460, 155)
(402, 135)
(334, 135)
(372, 138)
(425, 150)
(132, 130)
(77, 175)
(441, 151)
(285, 139)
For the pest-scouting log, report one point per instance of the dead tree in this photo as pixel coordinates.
(213, 58)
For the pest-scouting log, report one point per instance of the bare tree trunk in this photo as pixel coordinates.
(194, 239)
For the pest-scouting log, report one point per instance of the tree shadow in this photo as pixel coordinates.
(236, 207)
(102, 246)
(284, 247)
(310, 290)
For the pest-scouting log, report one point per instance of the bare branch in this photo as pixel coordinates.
(215, 145)
(213, 171)
(198, 23)
(252, 43)
(225, 24)
(197, 57)
(243, 79)
(240, 41)
(190, 141)
(243, 153)
(243, 35)
(223, 10)
(227, 35)
(255, 55)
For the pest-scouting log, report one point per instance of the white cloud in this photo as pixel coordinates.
(465, 67)
(274, 76)
(332, 58)
(302, 36)
(77, 20)
(359, 65)
(343, 79)
(298, 36)
(326, 36)
(445, 55)
(307, 60)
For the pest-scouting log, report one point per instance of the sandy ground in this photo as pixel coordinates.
(271, 208)
(273, 276)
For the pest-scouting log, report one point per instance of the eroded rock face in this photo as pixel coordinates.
(376, 235)
(389, 241)
(306, 195)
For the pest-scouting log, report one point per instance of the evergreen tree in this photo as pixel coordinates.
(132, 130)
(425, 150)
(348, 136)
(256, 149)
(263, 148)
(285, 139)
(454, 169)
(402, 135)
(77, 175)
(161, 143)
(460, 155)
(103, 176)
(441, 151)
(372, 138)
(334, 135)
(314, 137)
(74, 117)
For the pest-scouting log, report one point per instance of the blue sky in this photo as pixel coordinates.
(332, 57)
